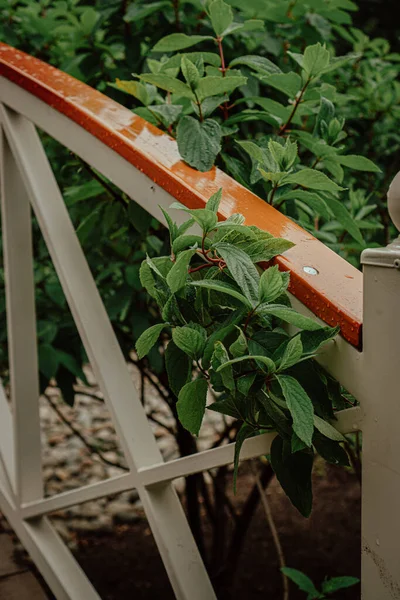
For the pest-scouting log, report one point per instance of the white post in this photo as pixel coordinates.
(380, 403)
(21, 327)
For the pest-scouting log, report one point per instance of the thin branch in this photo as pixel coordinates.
(274, 531)
(160, 423)
(176, 12)
(295, 107)
(92, 449)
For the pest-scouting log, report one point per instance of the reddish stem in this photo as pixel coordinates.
(295, 107)
(205, 266)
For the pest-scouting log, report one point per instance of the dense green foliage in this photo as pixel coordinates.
(285, 95)
(225, 315)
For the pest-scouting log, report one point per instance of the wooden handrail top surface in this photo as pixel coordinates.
(334, 294)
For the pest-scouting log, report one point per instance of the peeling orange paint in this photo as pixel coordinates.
(334, 293)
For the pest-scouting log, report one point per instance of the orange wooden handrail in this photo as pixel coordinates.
(334, 294)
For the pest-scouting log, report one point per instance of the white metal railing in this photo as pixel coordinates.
(370, 375)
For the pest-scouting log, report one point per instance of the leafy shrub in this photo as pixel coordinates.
(257, 131)
(226, 317)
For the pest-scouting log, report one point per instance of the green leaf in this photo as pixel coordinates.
(338, 583)
(199, 143)
(178, 275)
(178, 41)
(219, 358)
(358, 163)
(244, 383)
(190, 72)
(166, 113)
(330, 451)
(265, 250)
(206, 218)
(247, 115)
(316, 59)
(221, 16)
(239, 346)
(189, 340)
(139, 217)
(170, 84)
(225, 407)
(292, 354)
(313, 200)
(223, 288)
(300, 407)
(281, 423)
(182, 242)
(246, 431)
(325, 114)
(227, 327)
(191, 405)
(136, 12)
(268, 362)
(241, 268)
(303, 582)
(172, 226)
(288, 83)
(249, 25)
(271, 284)
(345, 219)
(214, 201)
(178, 366)
(327, 430)
(134, 88)
(293, 472)
(312, 179)
(48, 360)
(148, 338)
(260, 64)
(313, 340)
(170, 312)
(291, 316)
(214, 86)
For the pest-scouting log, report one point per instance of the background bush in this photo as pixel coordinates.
(104, 41)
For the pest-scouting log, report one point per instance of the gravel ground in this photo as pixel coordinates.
(69, 462)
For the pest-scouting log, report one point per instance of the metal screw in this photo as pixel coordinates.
(310, 270)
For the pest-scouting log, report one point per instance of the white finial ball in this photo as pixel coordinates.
(394, 201)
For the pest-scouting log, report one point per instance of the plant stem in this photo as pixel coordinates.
(295, 107)
(127, 26)
(201, 117)
(251, 313)
(177, 17)
(205, 266)
(274, 531)
(290, 8)
(271, 198)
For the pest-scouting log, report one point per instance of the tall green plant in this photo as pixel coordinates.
(224, 320)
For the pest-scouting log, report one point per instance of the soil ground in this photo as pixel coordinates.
(126, 564)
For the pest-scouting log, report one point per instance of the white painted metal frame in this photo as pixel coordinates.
(27, 180)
